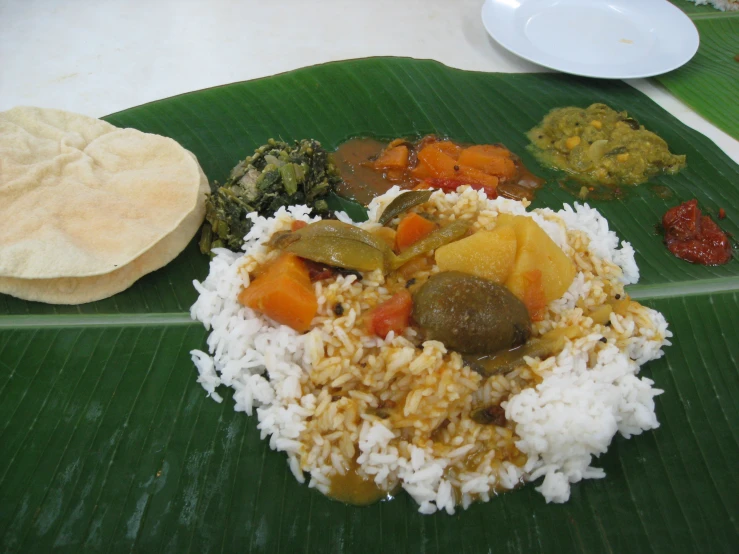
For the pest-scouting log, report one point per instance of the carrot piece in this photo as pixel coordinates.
(439, 163)
(393, 158)
(298, 224)
(283, 292)
(422, 171)
(392, 315)
(412, 228)
(489, 150)
(443, 166)
(534, 297)
(487, 159)
(425, 141)
(449, 148)
(471, 175)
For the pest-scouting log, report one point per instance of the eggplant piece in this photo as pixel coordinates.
(470, 314)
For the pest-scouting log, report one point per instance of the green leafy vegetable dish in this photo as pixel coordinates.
(277, 174)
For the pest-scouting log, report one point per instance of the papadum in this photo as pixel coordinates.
(80, 290)
(80, 197)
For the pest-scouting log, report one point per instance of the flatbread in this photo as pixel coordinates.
(79, 290)
(80, 197)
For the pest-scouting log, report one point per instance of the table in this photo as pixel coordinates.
(99, 57)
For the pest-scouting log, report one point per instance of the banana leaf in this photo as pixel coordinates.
(709, 83)
(109, 444)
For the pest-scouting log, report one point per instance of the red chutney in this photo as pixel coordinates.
(694, 237)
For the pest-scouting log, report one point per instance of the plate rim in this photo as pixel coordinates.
(490, 5)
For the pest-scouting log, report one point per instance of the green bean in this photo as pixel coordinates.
(403, 203)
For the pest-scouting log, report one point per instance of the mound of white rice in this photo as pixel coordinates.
(562, 411)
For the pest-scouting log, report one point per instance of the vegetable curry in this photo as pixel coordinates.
(482, 301)
(602, 146)
(369, 167)
(486, 290)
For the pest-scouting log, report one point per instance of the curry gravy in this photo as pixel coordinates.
(362, 182)
(353, 489)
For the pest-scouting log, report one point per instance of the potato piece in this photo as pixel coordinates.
(535, 250)
(386, 234)
(486, 254)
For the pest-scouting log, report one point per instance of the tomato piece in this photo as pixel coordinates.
(318, 271)
(392, 315)
(534, 297)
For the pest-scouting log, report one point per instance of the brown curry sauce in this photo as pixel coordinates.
(361, 181)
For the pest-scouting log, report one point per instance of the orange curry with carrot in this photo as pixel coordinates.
(369, 167)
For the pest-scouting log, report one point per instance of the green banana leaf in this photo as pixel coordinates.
(709, 83)
(108, 443)
(698, 10)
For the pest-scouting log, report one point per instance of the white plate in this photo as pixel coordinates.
(612, 39)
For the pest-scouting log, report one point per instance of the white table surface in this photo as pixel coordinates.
(100, 56)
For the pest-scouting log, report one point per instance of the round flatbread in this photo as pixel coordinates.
(79, 290)
(80, 197)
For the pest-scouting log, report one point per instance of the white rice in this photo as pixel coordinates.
(588, 393)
